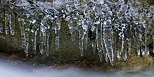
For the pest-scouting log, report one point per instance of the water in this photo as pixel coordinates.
(112, 26)
(8, 69)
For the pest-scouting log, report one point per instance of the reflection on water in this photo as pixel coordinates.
(11, 70)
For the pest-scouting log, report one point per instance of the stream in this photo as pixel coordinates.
(8, 69)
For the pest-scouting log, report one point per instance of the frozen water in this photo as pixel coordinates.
(111, 26)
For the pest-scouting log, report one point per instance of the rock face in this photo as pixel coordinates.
(68, 31)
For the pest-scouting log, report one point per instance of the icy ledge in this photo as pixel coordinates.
(114, 27)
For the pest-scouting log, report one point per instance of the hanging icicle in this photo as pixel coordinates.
(109, 26)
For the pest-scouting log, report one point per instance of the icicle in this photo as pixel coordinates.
(72, 30)
(147, 50)
(81, 40)
(146, 39)
(35, 41)
(1, 28)
(126, 49)
(57, 34)
(11, 23)
(122, 40)
(85, 28)
(34, 38)
(23, 34)
(48, 44)
(43, 30)
(34, 32)
(125, 55)
(102, 42)
(98, 44)
(129, 37)
(102, 49)
(138, 50)
(100, 55)
(107, 38)
(7, 20)
(21, 22)
(83, 36)
(93, 28)
(1, 21)
(26, 43)
(86, 40)
(129, 46)
(94, 47)
(123, 49)
(153, 42)
(113, 25)
(143, 42)
(26, 37)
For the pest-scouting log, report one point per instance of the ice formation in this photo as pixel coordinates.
(113, 26)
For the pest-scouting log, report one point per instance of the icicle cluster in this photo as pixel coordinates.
(7, 21)
(113, 26)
